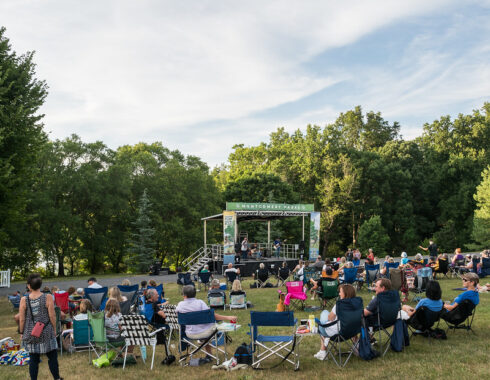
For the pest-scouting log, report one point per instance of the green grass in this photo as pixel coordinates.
(462, 356)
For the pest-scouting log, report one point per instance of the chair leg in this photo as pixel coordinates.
(153, 356)
(125, 355)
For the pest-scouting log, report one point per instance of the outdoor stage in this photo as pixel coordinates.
(250, 266)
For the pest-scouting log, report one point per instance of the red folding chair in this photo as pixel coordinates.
(61, 300)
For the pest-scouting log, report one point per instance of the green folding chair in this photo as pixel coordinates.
(99, 338)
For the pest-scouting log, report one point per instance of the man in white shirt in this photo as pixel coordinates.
(92, 283)
(231, 269)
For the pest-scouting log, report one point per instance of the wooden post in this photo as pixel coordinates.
(205, 234)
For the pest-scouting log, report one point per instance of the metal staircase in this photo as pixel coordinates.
(197, 260)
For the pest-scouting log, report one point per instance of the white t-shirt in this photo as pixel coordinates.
(231, 270)
(94, 286)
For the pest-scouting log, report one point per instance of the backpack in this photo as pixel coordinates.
(243, 354)
(366, 352)
(438, 333)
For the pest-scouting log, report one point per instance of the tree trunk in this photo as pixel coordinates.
(61, 265)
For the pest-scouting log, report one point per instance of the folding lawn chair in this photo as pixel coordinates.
(349, 317)
(216, 300)
(262, 277)
(461, 317)
(372, 274)
(282, 276)
(14, 302)
(421, 322)
(295, 297)
(308, 274)
(388, 312)
(424, 275)
(135, 331)
(265, 346)
(81, 332)
(356, 262)
(238, 301)
(230, 277)
(457, 268)
(131, 293)
(184, 279)
(485, 267)
(396, 278)
(389, 266)
(204, 278)
(214, 340)
(443, 268)
(350, 277)
(329, 292)
(96, 296)
(98, 342)
(61, 300)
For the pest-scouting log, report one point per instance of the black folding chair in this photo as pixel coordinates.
(461, 317)
(421, 322)
(388, 309)
(204, 278)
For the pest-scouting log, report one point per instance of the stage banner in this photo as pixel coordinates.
(247, 206)
(229, 221)
(314, 235)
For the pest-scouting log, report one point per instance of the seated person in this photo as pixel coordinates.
(327, 273)
(215, 289)
(371, 310)
(345, 291)
(436, 267)
(236, 288)
(349, 264)
(404, 260)
(283, 272)
(469, 265)
(112, 322)
(202, 331)
(457, 258)
(417, 262)
(432, 301)
(470, 282)
(432, 262)
(262, 273)
(153, 283)
(298, 270)
(205, 269)
(85, 307)
(383, 270)
(318, 264)
(115, 293)
(143, 288)
(335, 273)
(231, 269)
(255, 252)
(158, 314)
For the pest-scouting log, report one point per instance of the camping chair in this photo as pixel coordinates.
(282, 276)
(295, 297)
(203, 279)
(159, 289)
(356, 262)
(421, 322)
(198, 318)
(131, 293)
(96, 296)
(98, 342)
(308, 274)
(349, 315)
(456, 269)
(14, 302)
(81, 331)
(59, 328)
(485, 267)
(238, 301)
(184, 279)
(329, 292)
(350, 277)
(61, 300)
(389, 266)
(230, 277)
(372, 274)
(424, 275)
(135, 331)
(388, 310)
(396, 278)
(443, 268)
(265, 346)
(262, 276)
(461, 317)
(216, 300)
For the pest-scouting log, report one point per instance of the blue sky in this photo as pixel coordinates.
(201, 76)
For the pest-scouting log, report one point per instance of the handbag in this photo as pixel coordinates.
(38, 328)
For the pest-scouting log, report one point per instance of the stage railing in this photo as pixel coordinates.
(5, 279)
(288, 251)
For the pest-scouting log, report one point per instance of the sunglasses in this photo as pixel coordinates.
(465, 280)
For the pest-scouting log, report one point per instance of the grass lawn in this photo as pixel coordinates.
(462, 356)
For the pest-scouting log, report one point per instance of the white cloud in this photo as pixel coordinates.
(125, 71)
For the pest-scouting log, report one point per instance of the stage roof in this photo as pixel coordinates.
(243, 216)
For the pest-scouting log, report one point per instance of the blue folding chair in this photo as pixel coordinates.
(389, 266)
(372, 274)
(350, 276)
(424, 275)
(265, 346)
(15, 302)
(388, 312)
(81, 335)
(159, 289)
(349, 317)
(184, 279)
(97, 297)
(185, 343)
(485, 267)
(204, 278)
(356, 262)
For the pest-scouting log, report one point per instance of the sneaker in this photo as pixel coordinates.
(206, 360)
(321, 355)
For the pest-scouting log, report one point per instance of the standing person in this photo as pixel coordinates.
(277, 247)
(432, 248)
(244, 248)
(38, 307)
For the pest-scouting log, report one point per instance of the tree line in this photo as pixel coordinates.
(80, 207)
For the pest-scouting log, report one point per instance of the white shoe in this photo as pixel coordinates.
(320, 355)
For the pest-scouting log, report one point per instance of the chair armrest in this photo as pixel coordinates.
(157, 331)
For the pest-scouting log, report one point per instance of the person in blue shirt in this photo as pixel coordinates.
(432, 301)
(404, 260)
(470, 282)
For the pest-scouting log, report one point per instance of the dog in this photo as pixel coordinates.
(280, 305)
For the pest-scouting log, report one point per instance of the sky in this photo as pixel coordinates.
(202, 76)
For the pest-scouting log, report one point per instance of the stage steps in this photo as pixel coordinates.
(197, 260)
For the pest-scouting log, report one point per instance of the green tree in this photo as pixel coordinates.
(141, 246)
(21, 135)
(481, 220)
(373, 235)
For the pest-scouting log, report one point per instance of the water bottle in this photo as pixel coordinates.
(143, 352)
(311, 323)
